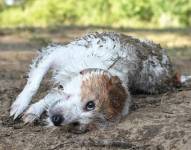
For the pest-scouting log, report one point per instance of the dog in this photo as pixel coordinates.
(94, 76)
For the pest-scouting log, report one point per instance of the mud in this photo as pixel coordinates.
(156, 122)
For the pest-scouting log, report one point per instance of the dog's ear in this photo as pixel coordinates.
(115, 80)
(116, 90)
(117, 96)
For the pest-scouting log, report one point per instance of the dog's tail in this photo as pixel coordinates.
(181, 80)
(185, 79)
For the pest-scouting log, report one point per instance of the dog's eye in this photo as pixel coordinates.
(90, 106)
(60, 86)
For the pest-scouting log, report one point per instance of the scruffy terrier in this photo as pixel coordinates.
(94, 75)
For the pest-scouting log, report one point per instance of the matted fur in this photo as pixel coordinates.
(99, 67)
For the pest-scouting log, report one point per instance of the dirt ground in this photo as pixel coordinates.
(156, 122)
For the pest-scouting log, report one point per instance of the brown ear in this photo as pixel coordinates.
(115, 80)
(117, 92)
(117, 96)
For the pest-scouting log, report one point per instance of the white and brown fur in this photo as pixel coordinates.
(101, 67)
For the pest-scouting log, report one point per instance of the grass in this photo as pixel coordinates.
(115, 13)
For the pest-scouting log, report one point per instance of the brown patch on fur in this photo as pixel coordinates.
(107, 92)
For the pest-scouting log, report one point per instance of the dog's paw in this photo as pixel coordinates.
(29, 118)
(33, 113)
(18, 108)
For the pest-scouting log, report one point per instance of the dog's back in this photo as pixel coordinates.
(141, 65)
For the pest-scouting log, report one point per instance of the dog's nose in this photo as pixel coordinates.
(57, 119)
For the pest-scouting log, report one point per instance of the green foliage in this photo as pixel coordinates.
(2, 5)
(132, 13)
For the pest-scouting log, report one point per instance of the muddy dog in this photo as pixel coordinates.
(94, 75)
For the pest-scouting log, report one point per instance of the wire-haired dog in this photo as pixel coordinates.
(94, 75)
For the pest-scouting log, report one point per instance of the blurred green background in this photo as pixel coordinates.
(114, 13)
(27, 25)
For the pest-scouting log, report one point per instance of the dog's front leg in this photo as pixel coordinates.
(35, 110)
(37, 72)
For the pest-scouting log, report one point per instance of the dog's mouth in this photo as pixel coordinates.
(74, 127)
(77, 127)
(75, 124)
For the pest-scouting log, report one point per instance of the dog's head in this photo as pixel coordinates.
(95, 98)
